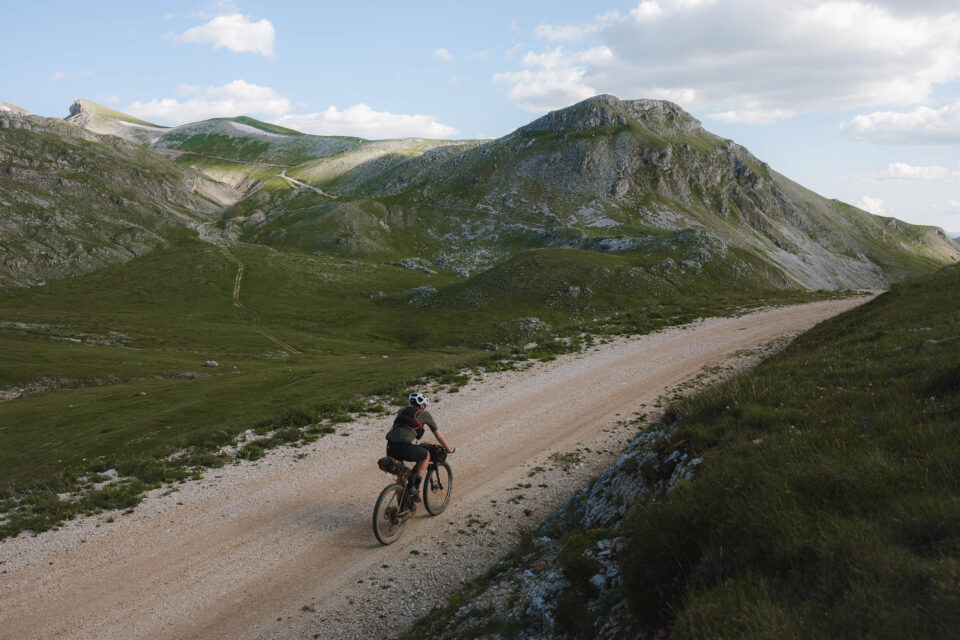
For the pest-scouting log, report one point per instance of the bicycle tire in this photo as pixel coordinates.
(437, 488)
(386, 527)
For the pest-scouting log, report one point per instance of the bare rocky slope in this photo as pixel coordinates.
(606, 174)
(74, 200)
(632, 178)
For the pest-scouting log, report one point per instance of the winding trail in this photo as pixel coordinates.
(282, 548)
(245, 311)
(176, 153)
(300, 184)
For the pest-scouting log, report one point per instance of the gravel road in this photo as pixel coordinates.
(283, 547)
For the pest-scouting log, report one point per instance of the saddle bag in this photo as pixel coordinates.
(391, 465)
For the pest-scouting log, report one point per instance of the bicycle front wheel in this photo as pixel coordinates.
(437, 488)
(387, 524)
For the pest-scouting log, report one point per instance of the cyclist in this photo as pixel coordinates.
(408, 427)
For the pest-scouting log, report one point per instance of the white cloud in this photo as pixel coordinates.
(923, 125)
(552, 80)
(478, 55)
(235, 32)
(566, 32)
(361, 120)
(575, 33)
(693, 4)
(444, 55)
(509, 53)
(646, 11)
(873, 205)
(233, 99)
(244, 98)
(954, 206)
(757, 61)
(904, 171)
(753, 116)
(72, 75)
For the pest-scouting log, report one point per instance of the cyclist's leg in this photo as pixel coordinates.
(421, 469)
(410, 453)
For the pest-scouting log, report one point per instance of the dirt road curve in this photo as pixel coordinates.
(283, 548)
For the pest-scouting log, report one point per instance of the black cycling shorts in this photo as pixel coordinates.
(406, 451)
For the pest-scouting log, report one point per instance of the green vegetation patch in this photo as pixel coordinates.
(828, 504)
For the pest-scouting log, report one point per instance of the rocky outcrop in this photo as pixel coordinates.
(659, 116)
(572, 568)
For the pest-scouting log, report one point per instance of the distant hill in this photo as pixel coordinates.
(607, 175)
(240, 151)
(628, 177)
(74, 200)
(7, 108)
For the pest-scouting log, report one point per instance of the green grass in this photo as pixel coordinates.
(89, 346)
(107, 112)
(96, 342)
(216, 137)
(828, 504)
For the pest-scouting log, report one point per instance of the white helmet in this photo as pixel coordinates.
(418, 398)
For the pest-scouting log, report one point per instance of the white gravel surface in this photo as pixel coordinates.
(283, 547)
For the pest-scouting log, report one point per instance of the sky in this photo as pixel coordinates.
(858, 100)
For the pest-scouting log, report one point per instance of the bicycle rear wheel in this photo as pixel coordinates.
(387, 525)
(437, 488)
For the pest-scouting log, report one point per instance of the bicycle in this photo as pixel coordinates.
(395, 505)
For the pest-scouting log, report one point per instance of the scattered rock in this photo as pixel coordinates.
(421, 294)
(415, 264)
(211, 363)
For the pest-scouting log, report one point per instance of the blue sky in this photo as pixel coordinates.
(857, 100)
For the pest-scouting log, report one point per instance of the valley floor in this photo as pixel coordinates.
(283, 547)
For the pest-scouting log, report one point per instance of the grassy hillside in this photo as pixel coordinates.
(74, 201)
(607, 217)
(827, 505)
(106, 113)
(604, 174)
(248, 140)
(625, 170)
(83, 350)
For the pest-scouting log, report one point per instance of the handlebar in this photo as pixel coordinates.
(427, 445)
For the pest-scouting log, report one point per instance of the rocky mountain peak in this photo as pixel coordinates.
(80, 106)
(605, 110)
(80, 112)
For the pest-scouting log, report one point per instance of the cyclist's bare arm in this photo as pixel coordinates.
(443, 441)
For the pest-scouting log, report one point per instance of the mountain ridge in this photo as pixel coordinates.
(604, 174)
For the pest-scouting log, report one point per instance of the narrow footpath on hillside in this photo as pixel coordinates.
(245, 311)
(176, 153)
(300, 184)
(283, 547)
